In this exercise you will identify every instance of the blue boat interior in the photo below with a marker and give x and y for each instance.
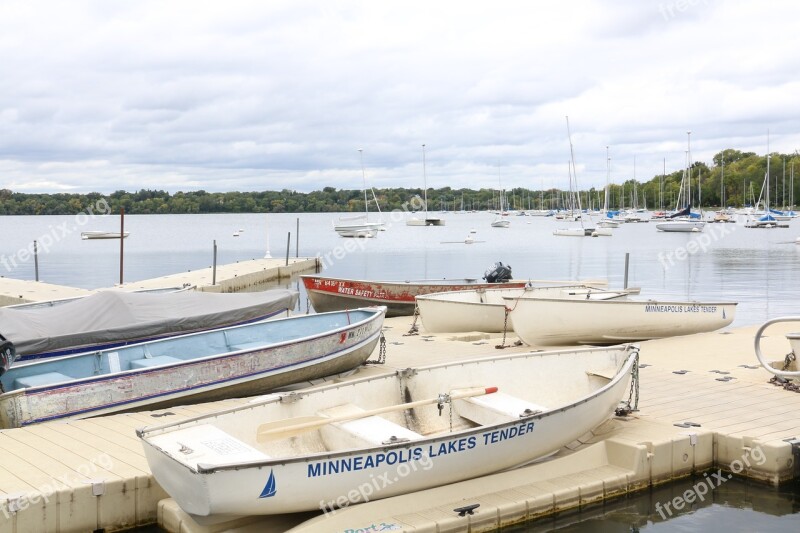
(140, 357)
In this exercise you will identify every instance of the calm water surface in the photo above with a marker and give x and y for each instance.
(758, 268)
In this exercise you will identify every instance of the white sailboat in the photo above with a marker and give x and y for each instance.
(575, 200)
(682, 220)
(502, 220)
(768, 221)
(359, 225)
(607, 221)
(427, 220)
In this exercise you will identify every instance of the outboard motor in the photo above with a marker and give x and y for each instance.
(7, 354)
(498, 273)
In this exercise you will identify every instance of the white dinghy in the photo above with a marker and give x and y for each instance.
(544, 321)
(326, 447)
(485, 309)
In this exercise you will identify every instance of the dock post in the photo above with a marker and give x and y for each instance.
(36, 260)
(627, 258)
(288, 244)
(297, 239)
(214, 269)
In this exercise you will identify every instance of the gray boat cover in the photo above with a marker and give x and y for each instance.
(110, 317)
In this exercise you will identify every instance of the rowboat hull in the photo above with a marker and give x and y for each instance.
(565, 322)
(252, 359)
(274, 478)
(485, 309)
(336, 294)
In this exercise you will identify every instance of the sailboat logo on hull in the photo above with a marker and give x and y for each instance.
(269, 488)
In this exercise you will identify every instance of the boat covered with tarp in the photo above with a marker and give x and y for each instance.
(114, 318)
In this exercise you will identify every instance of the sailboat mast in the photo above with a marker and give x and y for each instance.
(574, 170)
(722, 184)
(608, 178)
(424, 182)
(661, 185)
(364, 178)
(766, 181)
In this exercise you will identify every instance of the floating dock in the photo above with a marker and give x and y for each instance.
(703, 404)
(233, 277)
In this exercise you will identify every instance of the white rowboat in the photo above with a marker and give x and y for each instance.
(543, 322)
(278, 455)
(485, 309)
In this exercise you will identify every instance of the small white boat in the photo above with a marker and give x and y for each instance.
(501, 222)
(486, 310)
(88, 235)
(420, 428)
(542, 321)
(211, 365)
(681, 225)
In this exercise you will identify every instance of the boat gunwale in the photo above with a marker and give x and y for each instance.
(620, 301)
(375, 314)
(442, 296)
(624, 369)
(444, 282)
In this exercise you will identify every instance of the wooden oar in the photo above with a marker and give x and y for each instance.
(289, 427)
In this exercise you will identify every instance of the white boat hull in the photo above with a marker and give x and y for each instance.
(501, 223)
(214, 465)
(485, 309)
(565, 322)
(681, 225)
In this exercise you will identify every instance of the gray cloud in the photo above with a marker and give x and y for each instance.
(254, 95)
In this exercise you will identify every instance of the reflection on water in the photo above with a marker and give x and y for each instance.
(736, 505)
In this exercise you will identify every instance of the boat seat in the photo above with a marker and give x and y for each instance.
(496, 408)
(153, 361)
(37, 380)
(362, 432)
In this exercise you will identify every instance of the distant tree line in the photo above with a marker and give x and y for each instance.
(743, 179)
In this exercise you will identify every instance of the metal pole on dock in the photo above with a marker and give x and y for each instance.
(121, 242)
(288, 244)
(627, 259)
(214, 265)
(36, 260)
(297, 239)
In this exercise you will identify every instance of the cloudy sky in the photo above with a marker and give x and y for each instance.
(272, 94)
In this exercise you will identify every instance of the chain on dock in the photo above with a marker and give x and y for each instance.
(414, 328)
(505, 330)
(633, 394)
(787, 384)
(381, 352)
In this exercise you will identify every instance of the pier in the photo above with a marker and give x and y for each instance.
(233, 277)
(703, 404)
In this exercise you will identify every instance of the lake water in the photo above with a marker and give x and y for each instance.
(758, 268)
